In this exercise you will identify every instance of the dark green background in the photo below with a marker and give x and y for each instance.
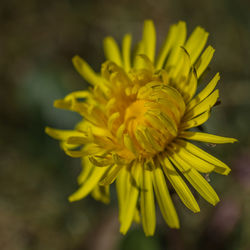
(37, 41)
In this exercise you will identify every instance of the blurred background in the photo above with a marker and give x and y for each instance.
(37, 41)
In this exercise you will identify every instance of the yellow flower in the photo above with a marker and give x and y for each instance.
(135, 129)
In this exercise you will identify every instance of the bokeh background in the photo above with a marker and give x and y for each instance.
(37, 41)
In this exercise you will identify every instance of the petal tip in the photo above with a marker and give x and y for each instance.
(148, 21)
(77, 61)
(58, 103)
(75, 57)
(50, 131)
(149, 234)
(72, 198)
(227, 171)
(196, 209)
(47, 130)
(123, 231)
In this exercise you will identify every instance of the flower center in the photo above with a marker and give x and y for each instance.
(152, 120)
(144, 111)
(134, 115)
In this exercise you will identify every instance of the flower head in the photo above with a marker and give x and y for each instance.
(137, 115)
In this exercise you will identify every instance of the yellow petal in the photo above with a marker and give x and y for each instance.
(172, 36)
(197, 121)
(178, 72)
(172, 95)
(122, 159)
(121, 188)
(147, 204)
(180, 37)
(87, 167)
(120, 131)
(131, 197)
(220, 167)
(204, 93)
(101, 161)
(126, 54)
(182, 70)
(63, 104)
(204, 60)
(196, 180)
(180, 186)
(75, 153)
(191, 86)
(149, 133)
(137, 218)
(112, 51)
(77, 140)
(89, 184)
(196, 43)
(111, 175)
(112, 119)
(142, 140)
(85, 70)
(101, 193)
(149, 39)
(143, 62)
(60, 134)
(164, 200)
(154, 120)
(169, 123)
(129, 144)
(137, 62)
(203, 106)
(195, 162)
(75, 98)
(204, 137)
(71, 101)
(170, 106)
(78, 94)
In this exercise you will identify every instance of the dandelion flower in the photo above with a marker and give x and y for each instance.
(137, 115)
